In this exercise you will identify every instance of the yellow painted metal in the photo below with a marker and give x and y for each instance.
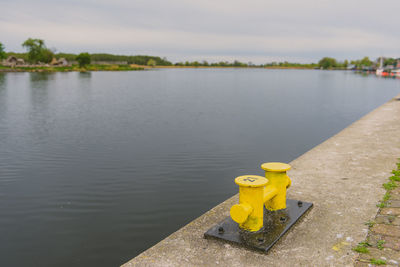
(250, 181)
(256, 191)
(249, 212)
(278, 182)
(269, 193)
(240, 212)
(275, 167)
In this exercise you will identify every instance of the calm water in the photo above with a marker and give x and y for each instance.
(97, 167)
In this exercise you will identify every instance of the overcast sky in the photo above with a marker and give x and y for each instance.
(253, 30)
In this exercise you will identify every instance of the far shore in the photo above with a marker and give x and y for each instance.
(229, 67)
(131, 67)
(73, 68)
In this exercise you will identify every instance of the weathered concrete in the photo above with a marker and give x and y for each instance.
(342, 177)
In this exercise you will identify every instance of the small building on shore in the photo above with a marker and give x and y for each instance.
(12, 61)
(63, 62)
(20, 61)
(59, 62)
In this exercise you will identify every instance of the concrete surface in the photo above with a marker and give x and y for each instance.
(383, 240)
(343, 178)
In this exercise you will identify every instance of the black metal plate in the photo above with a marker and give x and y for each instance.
(276, 224)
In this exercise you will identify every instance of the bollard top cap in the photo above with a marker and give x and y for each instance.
(275, 167)
(251, 181)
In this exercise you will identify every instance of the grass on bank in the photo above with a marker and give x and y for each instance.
(390, 185)
(380, 243)
(362, 247)
(377, 261)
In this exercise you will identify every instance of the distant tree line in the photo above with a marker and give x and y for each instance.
(205, 63)
(139, 59)
(287, 64)
(364, 63)
(327, 63)
(239, 64)
(38, 52)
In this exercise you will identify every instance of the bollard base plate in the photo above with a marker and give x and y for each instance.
(276, 224)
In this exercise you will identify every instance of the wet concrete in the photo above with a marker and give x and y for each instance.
(343, 177)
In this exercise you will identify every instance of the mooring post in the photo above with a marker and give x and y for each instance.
(250, 210)
(256, 191)
(249, 223)
(278, 181)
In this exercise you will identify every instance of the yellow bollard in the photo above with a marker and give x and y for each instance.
(278, 181)
(255, 192)
(250, 210)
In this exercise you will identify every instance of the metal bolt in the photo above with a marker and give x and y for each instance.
(221, 230)
(282, 219)
(300, 203)
(260, 239)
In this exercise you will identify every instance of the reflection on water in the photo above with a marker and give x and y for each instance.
(96, 167)
(85, 75)
(37, 77)
(2, 80)
(3, 110)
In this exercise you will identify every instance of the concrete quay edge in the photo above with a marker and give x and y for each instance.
(342, 176)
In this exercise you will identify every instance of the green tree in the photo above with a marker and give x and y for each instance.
(327, 63)
(46, 56)
(151, 63)
(37, 51)
(3, 54)
(237, 63)
(389, 61)
(366, 61)
(83, 59)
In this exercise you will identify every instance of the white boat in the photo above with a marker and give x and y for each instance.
(379, 71)
(395, 72)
